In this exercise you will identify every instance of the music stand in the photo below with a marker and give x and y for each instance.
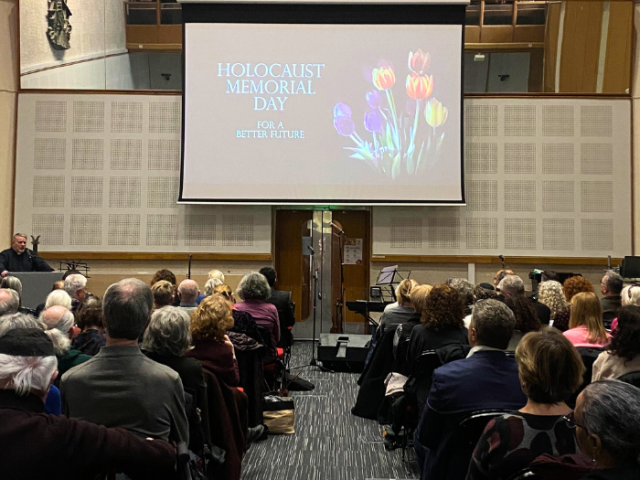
(630, 267)
(388, 277)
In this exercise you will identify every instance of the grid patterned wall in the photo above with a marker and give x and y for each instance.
(101, 173)
(545, 177)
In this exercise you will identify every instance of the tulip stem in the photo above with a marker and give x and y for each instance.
(395, 119)
(415, 130)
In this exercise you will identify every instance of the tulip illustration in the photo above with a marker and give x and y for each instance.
(341, 110)
(383, 78)
(436, 114)
(374, 99)
(344, 126)
(419, 62)
(373, 121)
(419, 87)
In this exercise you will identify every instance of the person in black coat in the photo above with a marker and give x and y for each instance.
(19, 258)
(282, 301)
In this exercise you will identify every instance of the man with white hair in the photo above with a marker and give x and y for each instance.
(513, 286)
(76, 286)
(67, 449)
(59, 322)
(9, 301)
(188, 292)
(19, 258)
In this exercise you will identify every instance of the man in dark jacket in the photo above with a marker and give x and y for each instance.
(486, 379)
(282, 301)
(67, 449)
(19, 258)
(611, 287)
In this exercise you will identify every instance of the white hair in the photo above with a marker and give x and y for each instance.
(73, 283)
(64, 323)
(511, 285)
(211, 284)
(217, 274)
(13, 283)
(27, 374)
(188, 290)
(9, 301)
(19, 320)
(630, 295)
(61, 342)
(58, 297)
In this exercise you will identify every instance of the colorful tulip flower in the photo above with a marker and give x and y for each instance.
(383, 78)
(344, 126)
(374, 99)
(373, 121)
(341, 110)
(435, 113)
(419, 62)
(419, 87)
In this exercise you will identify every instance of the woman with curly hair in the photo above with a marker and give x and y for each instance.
(571, 287)
(526, 318)
(623, 353)
(441, 315)
(550, 293)
(212, 347)
(586, 327)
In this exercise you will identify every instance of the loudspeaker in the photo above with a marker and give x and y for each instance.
(343, 352)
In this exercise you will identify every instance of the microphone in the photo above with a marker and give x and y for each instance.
(189, 270)
(340, 231)
(310, 248)
(501, 257)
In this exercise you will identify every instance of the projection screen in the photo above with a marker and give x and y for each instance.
(322, 113)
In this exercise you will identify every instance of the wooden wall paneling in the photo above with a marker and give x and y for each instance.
(292, 267)
(142, 34)
(356, 224)
(536, 71)
(496, 34)
(529, 33)
(580, 47)
(471, 34)
(617, 71)
(170, 34)
(552, 31)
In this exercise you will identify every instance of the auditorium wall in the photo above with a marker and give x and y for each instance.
(8, 99)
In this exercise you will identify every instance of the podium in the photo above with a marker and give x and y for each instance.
(36, 286)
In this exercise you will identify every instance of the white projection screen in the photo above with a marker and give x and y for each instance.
(322, 113)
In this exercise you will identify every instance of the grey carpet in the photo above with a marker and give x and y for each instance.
(329, 443)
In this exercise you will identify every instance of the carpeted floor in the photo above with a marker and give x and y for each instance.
(329, 443)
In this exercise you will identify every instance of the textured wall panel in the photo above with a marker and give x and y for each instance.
(126, 154)
(520, 120)
(520, 158)
(126, 117)
(558, 120)
(406, 232)
(481, 158)
(50, 154)
(50, 228)
(124, 192)
(558, 158)
(124, 229)
(87, 154)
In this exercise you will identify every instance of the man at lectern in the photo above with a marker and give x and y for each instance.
(19, 258)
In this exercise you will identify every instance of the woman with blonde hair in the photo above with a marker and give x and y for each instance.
(402, 312)
(586, 328)
(551, 294)
(211, 345)
(164, 293)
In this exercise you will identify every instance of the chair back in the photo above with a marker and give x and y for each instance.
(607, 318)
(425, 364)
(265, 335)
(472, 426)
(588, 355)
(632, 378)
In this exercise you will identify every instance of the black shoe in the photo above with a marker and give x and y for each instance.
(256, 434)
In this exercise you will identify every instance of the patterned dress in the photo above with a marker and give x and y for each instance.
(511, 442)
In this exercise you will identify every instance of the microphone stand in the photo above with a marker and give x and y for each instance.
(189, 269)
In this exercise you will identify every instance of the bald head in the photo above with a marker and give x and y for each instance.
(9, 301)
(188, 291)
(58, 317)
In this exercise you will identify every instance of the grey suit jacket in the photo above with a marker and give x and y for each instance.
(121, 387)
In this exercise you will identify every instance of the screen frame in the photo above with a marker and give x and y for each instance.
(323, 14)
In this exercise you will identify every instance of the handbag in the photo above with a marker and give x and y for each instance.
(279, 414)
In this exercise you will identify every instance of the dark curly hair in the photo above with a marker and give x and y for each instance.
(442, 309)
(163, 274)
(90, 316)
(575, 285)
(625, 341)
(481, 293)
(525, 313)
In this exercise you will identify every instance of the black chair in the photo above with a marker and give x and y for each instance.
(588, 355)
(273, 372)
(510, 353)
(632, 378)
(607, 318)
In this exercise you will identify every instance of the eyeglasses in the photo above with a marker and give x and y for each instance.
(570, 420)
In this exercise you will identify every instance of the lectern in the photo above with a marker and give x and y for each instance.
(36, 286)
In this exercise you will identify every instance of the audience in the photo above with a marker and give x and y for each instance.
(66, 448)
(402, 312)
(13, 283)
(465, 292)
(9, 301)
(243, 322)
(281, 299)
(57, 285)
(550, 371)
(91, 338)
(630, 296)
(254, 291)
(210, 286)
(113, 388)
(607, 427)
(58, 297)
(500, 274)
(512, 288)
(481, 292)
(441, 322)
(550, 293)
(211, 345)
(188, 292)
(164, 293)
(611, 287)
(572, 286)
(59, 324)
(76, 286)
(585, 324)
(486, 379)
(623, 353)
(163, 274)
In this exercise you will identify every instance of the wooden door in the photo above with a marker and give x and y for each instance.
(357, 227)
(292, 267)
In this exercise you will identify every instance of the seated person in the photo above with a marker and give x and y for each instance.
(623, 353)
(76, 286)
(89, 318)
(512, 288)
(465, 291)
(486, 379)
(281, 299)
(611, 286)
(216, 277)
(9, 301)
(68, 449)
(164, 294)
(571, 287)
(211, 345)
(441, 317)
(550, 371)
(630, 296)
(19, 258)
(188, 292)
(586, 327)
(607, 425)
(59, 324)
(15, 284)
(550, 294)
(120, 386)
(402, 312)
(254, 291)
(243, 322)
(481, 292)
